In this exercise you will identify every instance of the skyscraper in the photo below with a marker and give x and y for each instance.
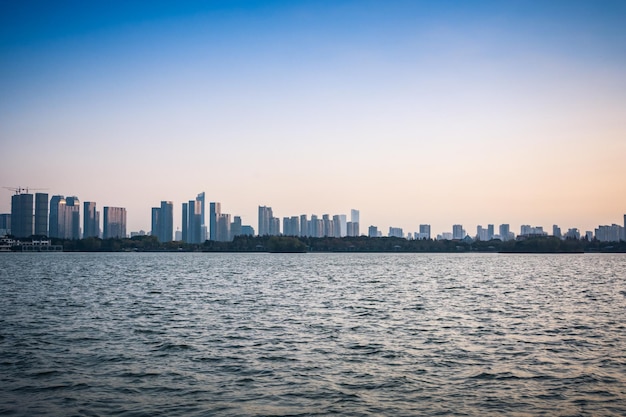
(203, 229)
(22, 220)
(166, 221)
(355, 219)
(185, 228)
(215, 209)
(223, 228)
(504, 232)
(424, 231)
(91, 220)
(41, 214)
(155, 224)
(72, 218)
(458, 232)
(194, 228)
(55, 220)
(5, 224)
(265, 216)
(114, 222)
(235, 227)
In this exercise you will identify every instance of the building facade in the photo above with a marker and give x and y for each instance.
(22, 219)
(91, 220)
(114, 223)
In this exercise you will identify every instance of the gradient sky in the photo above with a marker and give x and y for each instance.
(438, 112)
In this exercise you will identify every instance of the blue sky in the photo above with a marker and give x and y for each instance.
(414, 112)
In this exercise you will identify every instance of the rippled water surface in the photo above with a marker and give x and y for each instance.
(312, 334)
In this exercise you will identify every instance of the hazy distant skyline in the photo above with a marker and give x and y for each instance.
(439, 112)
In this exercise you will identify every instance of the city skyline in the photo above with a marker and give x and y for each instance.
(65, 220)
(435, 113)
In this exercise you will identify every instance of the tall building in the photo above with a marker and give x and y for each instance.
(504, 232)
(490, 232)
(184, 235)
(235, 227)
(556, 231)
(22, 220)
(372, 231)
(114, 222)
(203, 229)
(337, 225)
(41, 214)
(304, 225)
(163, 221)
(265, 216)
(54, 220)
(343, 225)
(458, 232)
(274, 226)
(396, 232)
(194, 228)
(328, 226)
(424, 231)
(72, 218)
(156, 221)
(166, 221)
(355, 219)
(5, 224)
(215, 210)
(91, 220)
(223, 228)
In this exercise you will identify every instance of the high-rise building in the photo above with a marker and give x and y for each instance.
(504, 232)
(304, 225)
(215, 210)
(54, 219)
(336, 225)
(194, 214)
(41, 214)
(223, 228)
(396, 232)
(265, 216)
(372, 231)
(91, 220)
(185, 229)
(72, 216)
(22, 220)
(328, 226)
(274, 226)
(556, 231)
(203, 229)
(355, 219)
(5, 224)
(235, 227)
(458, 232)
(490, 232)
(114, 223)
(156, 224)
(166, 221)
(424, 231)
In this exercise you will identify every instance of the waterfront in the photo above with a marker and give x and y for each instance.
(312, 334)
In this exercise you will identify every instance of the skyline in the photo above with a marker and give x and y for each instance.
(413, 112)
(193, 221)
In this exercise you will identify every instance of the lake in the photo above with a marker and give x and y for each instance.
(257, 334)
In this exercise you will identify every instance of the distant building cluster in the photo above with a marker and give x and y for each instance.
(303, 226)
(60, 217)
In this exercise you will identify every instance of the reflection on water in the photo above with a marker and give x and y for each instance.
(306, 334)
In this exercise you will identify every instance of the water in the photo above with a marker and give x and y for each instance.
(312, 334)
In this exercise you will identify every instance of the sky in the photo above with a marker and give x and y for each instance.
(438, 112)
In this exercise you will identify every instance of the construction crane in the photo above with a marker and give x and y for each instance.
(23, 190)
